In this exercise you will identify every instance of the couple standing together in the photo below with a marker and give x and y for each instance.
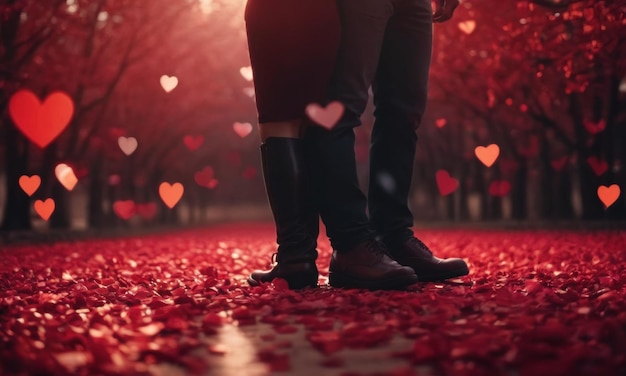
(317, 51)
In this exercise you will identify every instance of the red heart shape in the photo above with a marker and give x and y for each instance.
(249, 173)
(499, 188)
(594, 128)
(206, 178)
(29, 184)
(327, 116)
(124, 209)
(598, 165)
(45, 208)
(559, 164)
(147, 211)
(193, 142)
(608, 195)
(41, 122)
(171, 193)
(446, 183)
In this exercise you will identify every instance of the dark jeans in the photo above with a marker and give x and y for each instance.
(386, 44)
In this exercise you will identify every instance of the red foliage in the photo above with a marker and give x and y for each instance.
(535, 302)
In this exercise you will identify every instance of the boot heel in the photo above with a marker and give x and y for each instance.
(339, 280)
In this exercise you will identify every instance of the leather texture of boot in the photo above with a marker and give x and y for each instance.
(368, 266)
(294, 213)
(420, 258)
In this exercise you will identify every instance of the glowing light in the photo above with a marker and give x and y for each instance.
(622, 85)
(206, 6)
(72, 6)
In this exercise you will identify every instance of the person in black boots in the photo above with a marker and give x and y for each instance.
(386, 44)
(293, 48)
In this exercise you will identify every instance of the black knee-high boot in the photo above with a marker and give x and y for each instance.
(294, 213)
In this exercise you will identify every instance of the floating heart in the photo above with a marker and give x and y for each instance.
(30, 184)
(114, 179)
(608, 195)
(66, 176)
(124, 209)
(499, 188)
(193, 142)
(205, 178)
(169, 83)
(467, 26)
(41, 122)
(446, 183)
(598, 165)
(171, 193)
(127, 144)
(594, 128)
(326, 117)
(249, 91)
(440, 123)
(487, 154)
(249, 173)
(559, 164)
(117, 132)
(147, 211)
(246, 72)
(44, 208)
(242, 129)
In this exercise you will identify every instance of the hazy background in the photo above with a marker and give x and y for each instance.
(544, 80)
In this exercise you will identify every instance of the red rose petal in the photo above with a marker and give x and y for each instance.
(534, 301)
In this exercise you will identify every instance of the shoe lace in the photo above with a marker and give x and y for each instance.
(377, 247)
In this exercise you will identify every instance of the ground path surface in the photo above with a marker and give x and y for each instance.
(535, 303)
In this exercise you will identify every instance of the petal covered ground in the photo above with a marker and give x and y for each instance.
(535, 303)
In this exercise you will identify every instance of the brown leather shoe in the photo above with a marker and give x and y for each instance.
(368, 266)
(298, 274)
(417, 255)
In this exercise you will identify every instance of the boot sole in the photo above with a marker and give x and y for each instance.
(443, 276)
(294, 284)
(344, 281)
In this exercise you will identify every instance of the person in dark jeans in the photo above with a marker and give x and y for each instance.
(386, 44)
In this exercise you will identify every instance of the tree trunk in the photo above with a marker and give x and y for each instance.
(17, 208)
(518, 191)
(481, 187)
(96, 217)
(450, 209)
(60, 219)
(592, 208)
(463, 213)
(614, 141)
(562, 195)
(546, 202)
